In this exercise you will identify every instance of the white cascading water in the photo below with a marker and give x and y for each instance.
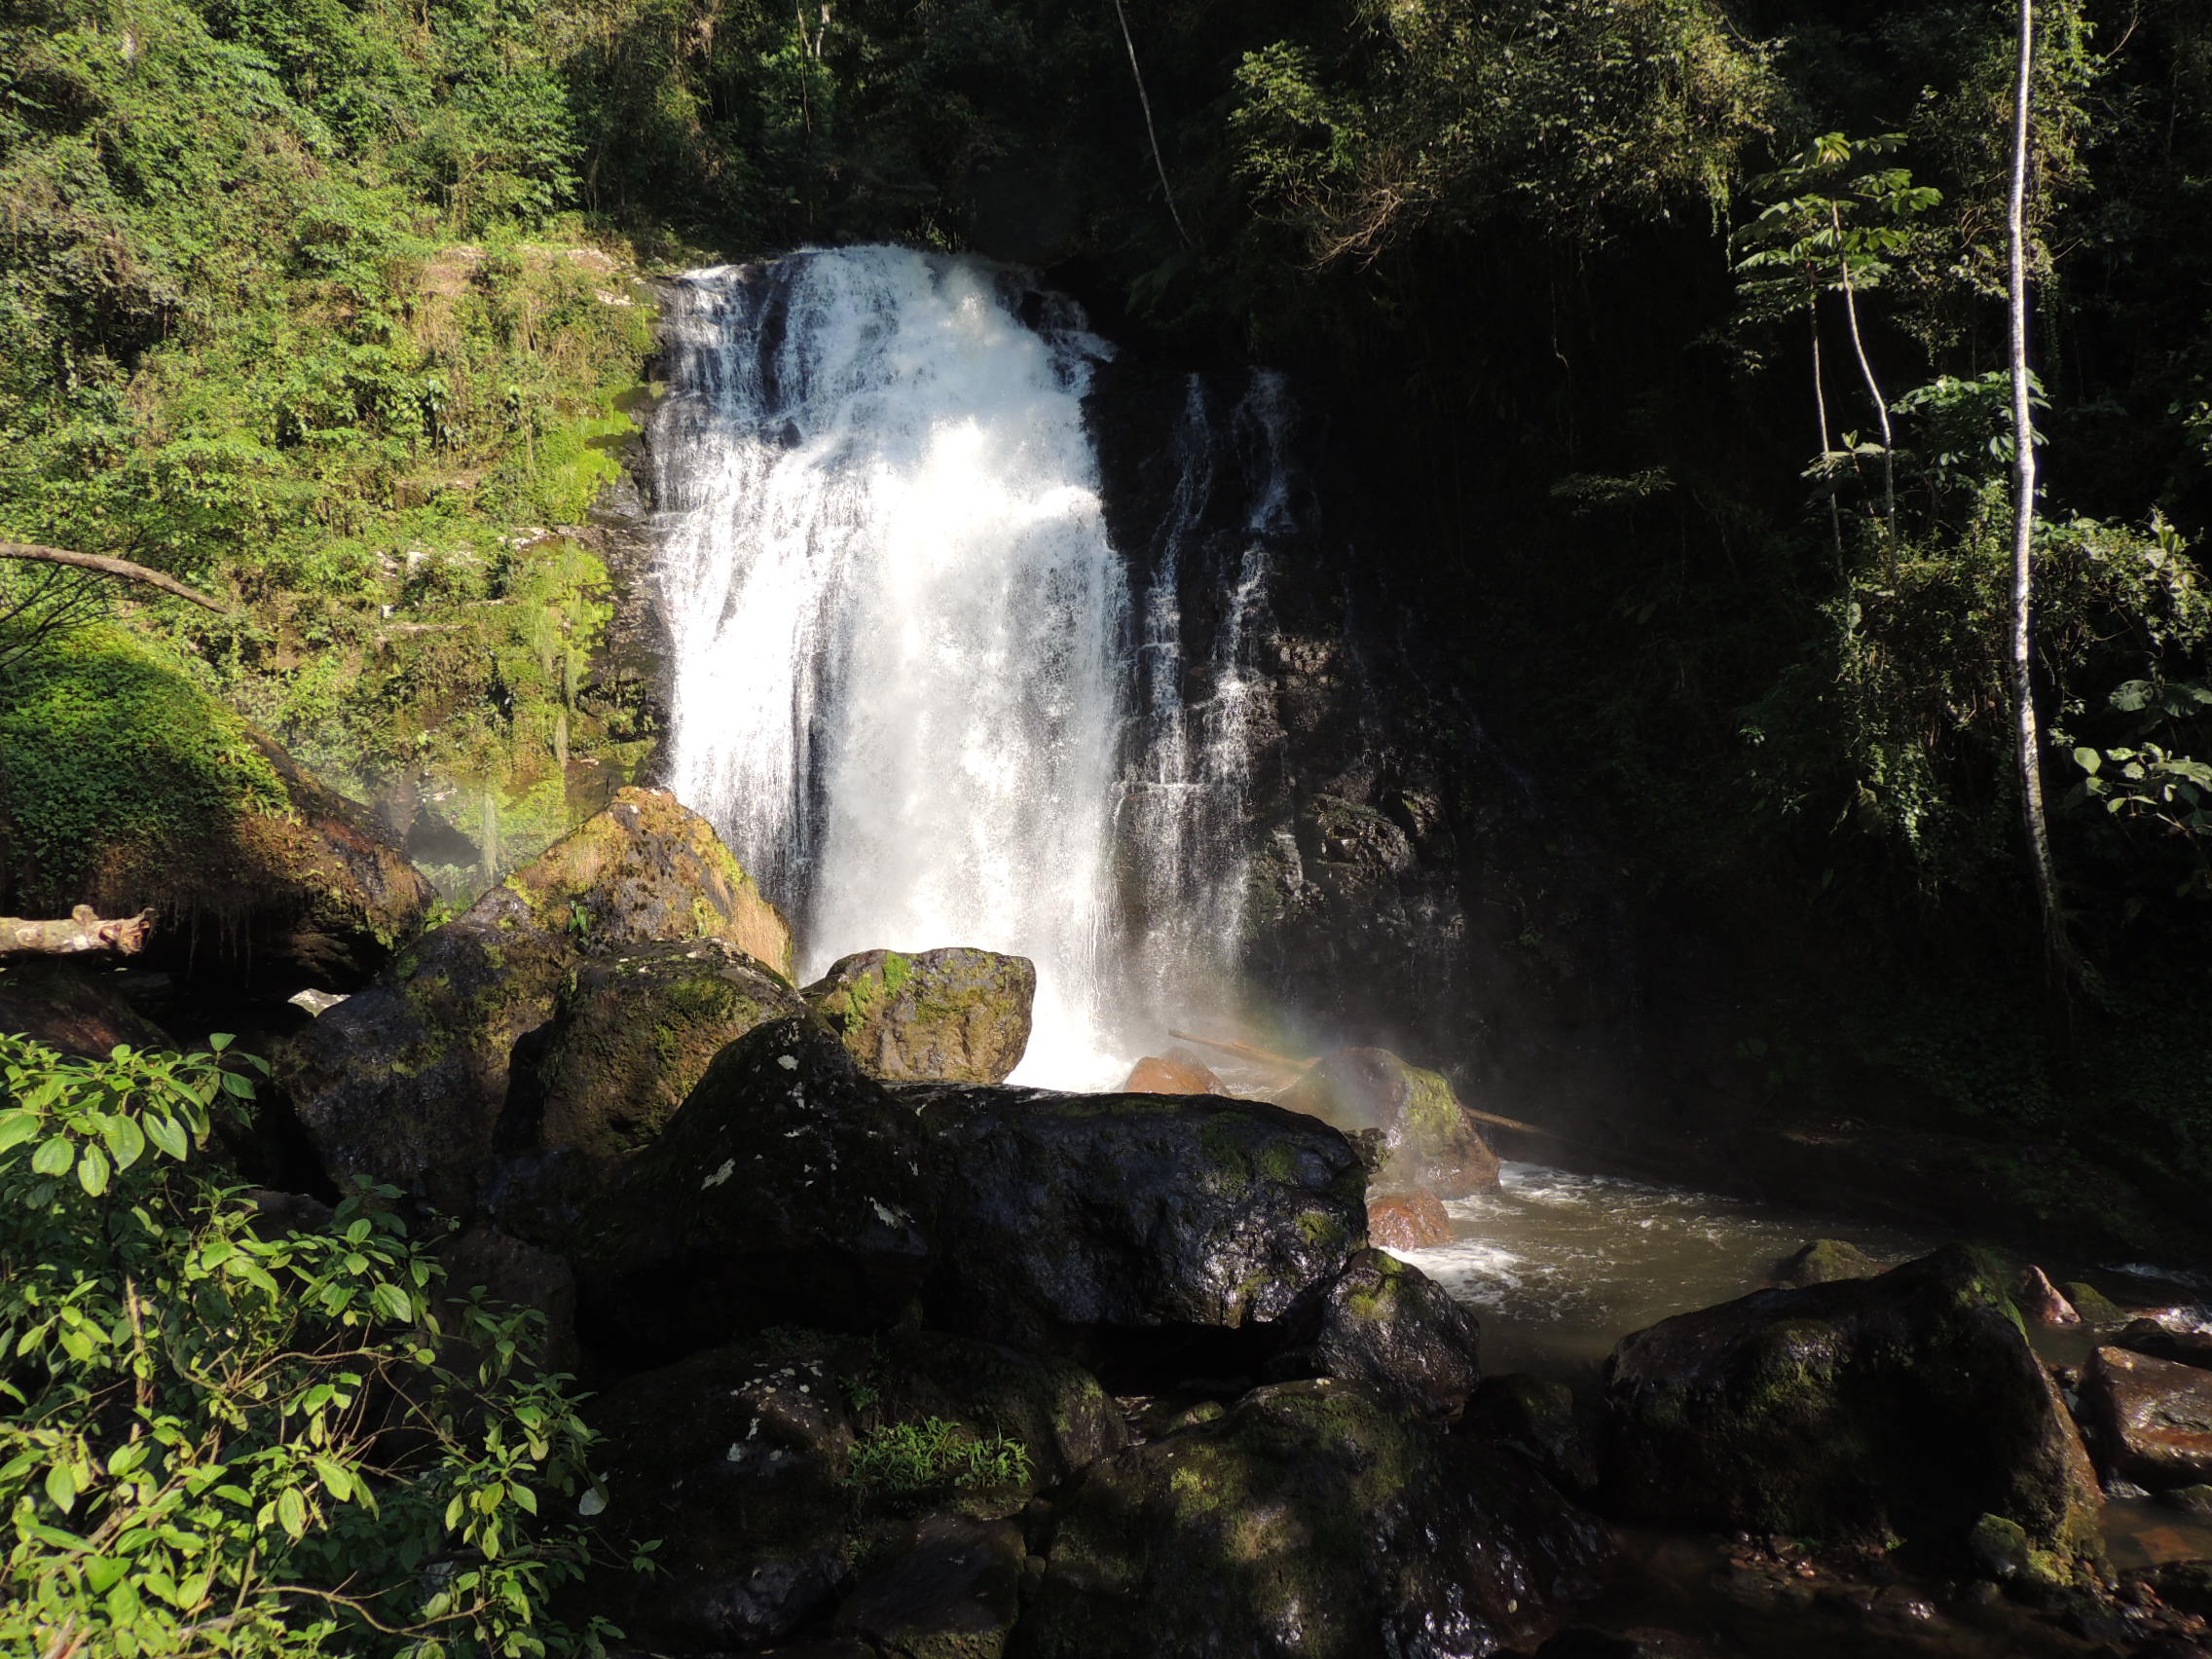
(897, 616)
(910, 686)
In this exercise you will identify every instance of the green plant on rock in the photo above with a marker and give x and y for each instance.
(902, 1459)
(220, 1435)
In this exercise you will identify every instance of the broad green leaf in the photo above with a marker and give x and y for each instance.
(125, 1143)
(2089, 760)
(16, 1128)
(391, 1302)
(61, 1488)
(54, 1156)
(292, 1512)
(92, 1170)
(169, 1134)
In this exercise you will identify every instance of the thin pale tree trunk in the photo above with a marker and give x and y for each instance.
(2027, 730)
(1821, 404)
(1874, 392)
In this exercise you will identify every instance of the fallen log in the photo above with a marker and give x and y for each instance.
(38, 553)
(83, 932)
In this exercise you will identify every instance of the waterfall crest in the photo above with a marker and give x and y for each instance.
(912, 687)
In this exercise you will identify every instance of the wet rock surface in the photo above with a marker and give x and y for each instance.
(632, 1033)
(1824, 1260)
(1389, 1326)
(72, 1010)
(2180, 1347)
(950, 1015)
(1311, 1518)
(1076, 1212)
(1429, 1140)
(1908, 1405)
(1176, 1072)
(1543, 1422)
(2151, 1418)
(787, 1186)
(1407, 1218)
(952, 1593)
(406, 1081)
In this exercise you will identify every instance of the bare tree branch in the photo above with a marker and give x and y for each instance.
(83, 932)
(38, 553)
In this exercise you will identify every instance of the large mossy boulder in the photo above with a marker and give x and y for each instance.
(1428, 1139)
(1908, 1406)
(126, 786)
(741, 1459)
(787, 1188)
(1315, 1519)
(1078, 1213)
(950, 1015)
(406, 1081)
(634, 1032)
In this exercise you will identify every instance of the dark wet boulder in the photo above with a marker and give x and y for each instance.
(950, 1015)
(1312, 1518)
(1407, 1218)
(1428, 1138)
(1904, 1406)
(2149, 1418)
(1076, 1212)
(72, 1010)
(1542, 1421)
(634, 1032)
(747, 1461)
(734, 1460)
(406, 1081)
(787, 1188)
(951, 1591)
(2160, 1342)
(1824, 1260)
(1176, 1072)
(1390, 1326)
(2093, 1305)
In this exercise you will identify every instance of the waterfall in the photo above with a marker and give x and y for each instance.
(912, 687)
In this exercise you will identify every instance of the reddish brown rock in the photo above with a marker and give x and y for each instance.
(2152, 1419)
(2040, 1302)
(1407, 1218)
(1176, 1072)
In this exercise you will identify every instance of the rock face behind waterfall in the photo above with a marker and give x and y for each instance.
(1312, 1519)
(787, 1188)
(406, 1081)
(950, 1015)
(1428, 1139)
(1908, 1405)
(1075, 1212)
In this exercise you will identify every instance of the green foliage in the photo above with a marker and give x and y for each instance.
(224, 1436)
(108, 747)
(1573, 116)
(904, 1458)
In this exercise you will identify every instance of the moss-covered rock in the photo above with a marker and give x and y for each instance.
(1428, 1138)
(1907, 1405)
(632, 1033)
(406, 1081)
(787, 1186)
(126, 786)
(1311, 1519)
(950, 1015)
(1824, 1260)
(1392, 1327)
(1133, 1212)
(2093, 1305)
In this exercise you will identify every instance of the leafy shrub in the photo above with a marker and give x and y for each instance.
(226, 1436)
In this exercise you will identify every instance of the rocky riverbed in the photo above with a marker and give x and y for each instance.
(894, 1358)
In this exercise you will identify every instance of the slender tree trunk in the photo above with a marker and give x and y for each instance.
(2027, 730)
(1873, 390)
(1821, 404)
